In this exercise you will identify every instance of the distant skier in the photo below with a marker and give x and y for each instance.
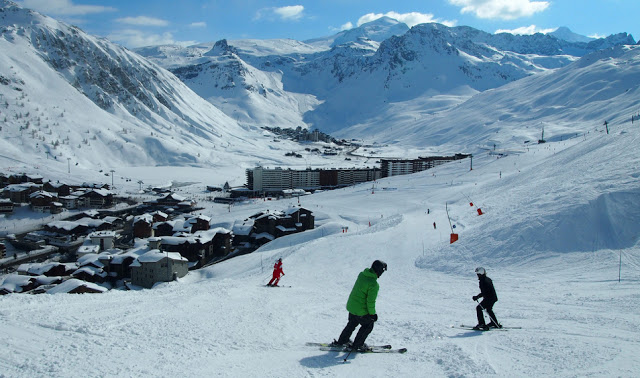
(362, 307)
(434, 225)
(488, 293)
(277, 273)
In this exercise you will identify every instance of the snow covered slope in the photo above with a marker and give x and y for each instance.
(602, 86)
(558, 218)
(78, 100)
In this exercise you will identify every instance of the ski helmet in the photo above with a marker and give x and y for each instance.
(379, 267)
(480, 270)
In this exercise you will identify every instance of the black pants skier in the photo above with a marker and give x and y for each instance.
(366, 326)
(487, 305)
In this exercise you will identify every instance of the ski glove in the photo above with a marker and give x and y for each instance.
(374, 317)
(475, 297)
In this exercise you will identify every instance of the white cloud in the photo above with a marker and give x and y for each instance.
(200, 24)
(525, 30)
(135, 38)
(292, 12)
(346, 26)
(288, 13)
(64, 7)
(411, 18)
(501, 9)
(142, 21)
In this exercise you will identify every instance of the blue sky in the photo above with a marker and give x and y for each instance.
(136, 23)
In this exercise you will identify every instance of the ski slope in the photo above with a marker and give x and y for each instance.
(557, 219)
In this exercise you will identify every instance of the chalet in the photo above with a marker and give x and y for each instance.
(97, 198)
(173, 200)
(200, 247)
(142, 226)
(95, 185)
(69, 202)
(46, 269)
(242, 232)
(119, 266)
(170, 228)
(78, 227)
(42, 201)
(155, 266)
(25, 178)
(14, 283)
(199, 223)
(56, 207)
(19, 193)
(6, 206)
(303, 218)
(61, 189)
(76, 286)
(104, 239)
(159, 216)
(90, 274)
(92, 260)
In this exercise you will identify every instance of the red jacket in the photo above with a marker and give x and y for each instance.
(277, 269)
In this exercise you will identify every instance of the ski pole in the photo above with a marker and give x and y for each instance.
(348, 354)
(483, 309)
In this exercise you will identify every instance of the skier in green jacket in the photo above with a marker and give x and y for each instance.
(362, 307)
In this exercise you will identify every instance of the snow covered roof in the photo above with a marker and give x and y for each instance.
(15, 282)
(148, 218)
(201, 217)
(37, 269)
(263, 235)
(69, 225)
(201, 237)
(90, 270)
(103, 234)
(285, 229)
(159, 213)
(42, 194)
(21, 187)
(243, 227)
(155, 255)
(178, 225)
(88, 249)
(72, 284)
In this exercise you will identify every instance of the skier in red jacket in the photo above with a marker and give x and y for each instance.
(277, 273)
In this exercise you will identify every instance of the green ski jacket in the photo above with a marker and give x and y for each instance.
(362, 300)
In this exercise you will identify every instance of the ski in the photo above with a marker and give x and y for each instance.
(470, 328)
(373, 350)
(277, 286)
(328, 345)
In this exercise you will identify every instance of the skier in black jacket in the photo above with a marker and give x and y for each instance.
(488, 293)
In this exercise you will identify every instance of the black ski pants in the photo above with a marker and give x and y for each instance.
(487, 305)
(366, 326)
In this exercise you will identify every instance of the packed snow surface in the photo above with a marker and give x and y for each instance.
(558, 236)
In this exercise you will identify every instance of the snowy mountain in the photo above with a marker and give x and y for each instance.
(601, 86)
(381, 64)
(76, 99)
(565, 34)
(417, 91)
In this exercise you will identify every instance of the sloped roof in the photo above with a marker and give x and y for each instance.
(155, 255)
(74, 283)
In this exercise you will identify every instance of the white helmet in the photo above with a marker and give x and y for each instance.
(480, 270)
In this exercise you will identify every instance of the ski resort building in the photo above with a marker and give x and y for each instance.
(397, 167)
(264, 180)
